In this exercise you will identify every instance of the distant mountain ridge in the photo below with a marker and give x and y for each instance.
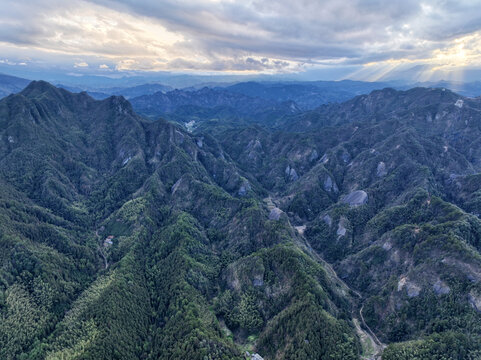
(127, 92)
(11, 85)
(160, 103)
(307, 95)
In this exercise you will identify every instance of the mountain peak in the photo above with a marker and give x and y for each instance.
(36, 88)
(120, 104)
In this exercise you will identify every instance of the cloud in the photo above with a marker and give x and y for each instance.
(242, 36)
(81, 64)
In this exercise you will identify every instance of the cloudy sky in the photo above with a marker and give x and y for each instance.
(367, 40)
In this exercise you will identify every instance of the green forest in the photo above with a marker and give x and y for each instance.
(127, 238)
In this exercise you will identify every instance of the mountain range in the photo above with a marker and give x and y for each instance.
(11, 85)
(242, 224)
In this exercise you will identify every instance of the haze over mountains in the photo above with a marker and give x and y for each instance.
(306, 94)
(11, 85)
(272, 226)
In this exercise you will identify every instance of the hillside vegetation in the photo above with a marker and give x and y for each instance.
(344, 232)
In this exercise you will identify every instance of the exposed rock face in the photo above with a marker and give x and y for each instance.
(275, 214)
(300, 229)
(475, 300)
(387, 246)
(346, 157)
(126, 160)
(254, 145)
(356, 198)
(175, 186)
(179, 137)
(244, 188)
(330, 185)
(291, 173)
(254, 150)
(341, 227)
(440, 288)
(327, 219)
(257, 282)
(459, 103)
(412, 289)
(314, 155)
(381, 169)
(190, 126)
(324, 159)
(341, 230)
(254, 356)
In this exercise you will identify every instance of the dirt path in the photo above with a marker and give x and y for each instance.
(371, 333)
(106, 263)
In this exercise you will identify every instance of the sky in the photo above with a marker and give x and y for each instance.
(332, 39)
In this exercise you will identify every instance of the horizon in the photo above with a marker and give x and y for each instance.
(187, 81)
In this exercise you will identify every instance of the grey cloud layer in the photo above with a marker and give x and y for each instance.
(313, 30)
(244, 35)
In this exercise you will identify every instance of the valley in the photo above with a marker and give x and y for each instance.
(240, 223)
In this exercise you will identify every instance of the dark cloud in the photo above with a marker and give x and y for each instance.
(235, 35)
(287, 29)
(311, 29)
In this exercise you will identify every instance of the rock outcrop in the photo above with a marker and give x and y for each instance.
(381, 169)
(327, 219)
(275, 214)
(440, 288)
(330, 185)
(244, 188)
(291, 173)
(356, 198)
(475, 300)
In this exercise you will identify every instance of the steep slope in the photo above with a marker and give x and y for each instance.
(323, 234)
(126, 239)
(385, 188)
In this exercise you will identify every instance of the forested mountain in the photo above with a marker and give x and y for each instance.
(385, 187)
(248, 101)
(207, 103)
(306, 94)
(347, 231)
(127, 239)
(126, 92)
